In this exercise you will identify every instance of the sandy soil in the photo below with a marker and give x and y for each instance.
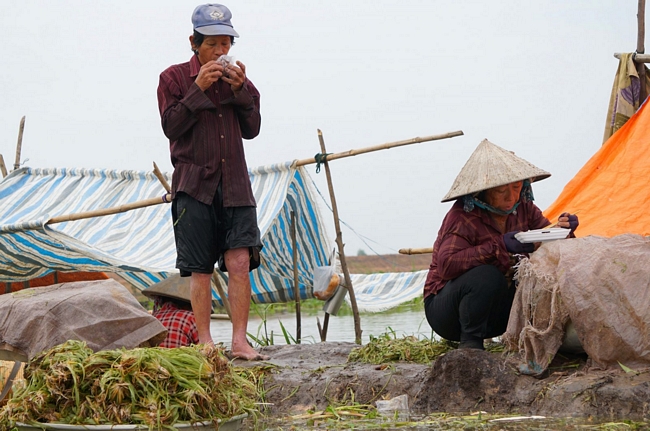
(301, 377)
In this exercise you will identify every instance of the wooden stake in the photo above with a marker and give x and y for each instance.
(3, 168)
(217, 282)
(161, 178)
(640, 49)
(339, 242)
(296, 286)
(387, 146)
(19, 145)
(322, 330)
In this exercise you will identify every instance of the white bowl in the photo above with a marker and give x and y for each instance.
(541, 235)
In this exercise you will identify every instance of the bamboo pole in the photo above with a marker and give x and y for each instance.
(113, 210)
(167, 198)
(386, 146)
(296, 286)
(640, 41)
(217, 282)
(639, 58)
(416, 250)
(640, 49)
(3, 168)
(339, 242)
(19, 145)
(161, 178)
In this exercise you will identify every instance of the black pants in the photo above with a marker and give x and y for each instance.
(472, 307)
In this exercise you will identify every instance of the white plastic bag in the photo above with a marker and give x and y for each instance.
(322, 277)
(395, 406)
(326, 280)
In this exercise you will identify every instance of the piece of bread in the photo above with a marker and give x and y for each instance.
(331, 288)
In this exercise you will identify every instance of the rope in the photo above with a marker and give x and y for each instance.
(358, 235)
(320, 158)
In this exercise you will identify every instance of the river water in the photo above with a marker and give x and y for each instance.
(340, 328)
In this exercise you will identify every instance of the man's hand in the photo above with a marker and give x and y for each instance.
(235, 76)
(209, 74)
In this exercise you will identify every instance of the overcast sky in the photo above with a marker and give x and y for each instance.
(533, 77)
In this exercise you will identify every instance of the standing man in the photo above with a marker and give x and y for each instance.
(207, 106)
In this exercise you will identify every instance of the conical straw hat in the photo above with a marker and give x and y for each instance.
(492, 166)
(175, 287)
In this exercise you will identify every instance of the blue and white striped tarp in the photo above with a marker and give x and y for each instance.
(379, 292)
(139, 244)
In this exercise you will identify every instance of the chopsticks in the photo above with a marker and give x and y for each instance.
(555, 224)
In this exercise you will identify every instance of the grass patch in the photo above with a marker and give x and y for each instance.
(312, 307)
(388, 348)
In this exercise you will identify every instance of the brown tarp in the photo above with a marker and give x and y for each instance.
(626, 94)
(600, 284)
(102, 313)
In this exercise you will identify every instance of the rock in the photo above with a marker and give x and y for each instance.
(467, 379)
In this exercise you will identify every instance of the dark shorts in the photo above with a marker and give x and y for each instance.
(203, 233)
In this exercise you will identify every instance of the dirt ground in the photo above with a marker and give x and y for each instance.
(313, 376)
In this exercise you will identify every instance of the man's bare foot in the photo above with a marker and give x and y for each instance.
(208, 342)
(247, 353)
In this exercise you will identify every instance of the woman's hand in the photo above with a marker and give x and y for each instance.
(568, 221)
(514, 246)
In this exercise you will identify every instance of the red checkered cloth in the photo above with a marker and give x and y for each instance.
(180, 324)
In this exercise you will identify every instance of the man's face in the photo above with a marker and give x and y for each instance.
(213, 47)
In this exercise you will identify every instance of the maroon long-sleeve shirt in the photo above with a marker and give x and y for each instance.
(205, 131)
(470, 239)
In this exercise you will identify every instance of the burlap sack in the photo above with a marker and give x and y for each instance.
(601, 284)
(102, 313)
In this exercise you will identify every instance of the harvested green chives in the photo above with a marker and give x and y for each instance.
(155, 387)
(388, 348)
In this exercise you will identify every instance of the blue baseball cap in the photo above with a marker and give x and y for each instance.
(213, 20)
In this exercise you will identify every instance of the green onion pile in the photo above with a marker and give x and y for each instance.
(388, 348)
(154, 387)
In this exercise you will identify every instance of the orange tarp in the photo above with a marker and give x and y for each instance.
(52, 278)
(611, 191)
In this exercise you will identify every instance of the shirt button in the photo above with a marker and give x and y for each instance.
(216, 91)
(221, 136)
(223, 160)
(220, 115)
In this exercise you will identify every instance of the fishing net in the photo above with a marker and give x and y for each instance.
(601, 285)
